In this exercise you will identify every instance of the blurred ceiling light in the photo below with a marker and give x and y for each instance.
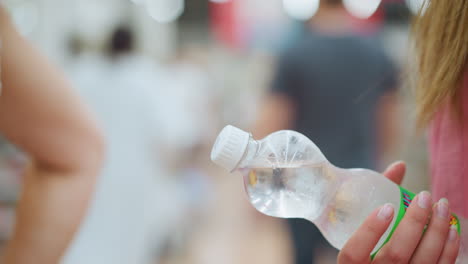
(416, 5)
(362, 8)
(165, 11)
(301, 9)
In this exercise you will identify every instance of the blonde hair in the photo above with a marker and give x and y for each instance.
(441, 42)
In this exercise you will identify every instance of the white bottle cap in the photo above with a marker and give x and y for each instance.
(230, 147)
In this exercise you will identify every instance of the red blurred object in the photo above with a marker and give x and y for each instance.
(224, 24)
(371, 24)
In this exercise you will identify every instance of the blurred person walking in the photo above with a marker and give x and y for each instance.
(41, 114)
(130, 215)
(337, 88)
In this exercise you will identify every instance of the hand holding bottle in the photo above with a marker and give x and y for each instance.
(286, 175)
(438, 244)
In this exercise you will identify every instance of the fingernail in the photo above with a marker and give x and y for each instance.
(396, 163)
(442, 208)
(453, 234)
(386, 212)
(424, 199)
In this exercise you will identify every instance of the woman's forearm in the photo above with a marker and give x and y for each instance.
(42, 115)
(51, 208)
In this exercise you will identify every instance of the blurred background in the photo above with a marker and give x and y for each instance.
(164, 76)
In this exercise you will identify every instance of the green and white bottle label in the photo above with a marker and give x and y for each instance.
(406, 199)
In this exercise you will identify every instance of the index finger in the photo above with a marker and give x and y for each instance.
(407, 235)
(359, 247)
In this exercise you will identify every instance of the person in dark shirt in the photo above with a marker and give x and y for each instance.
(337, 88)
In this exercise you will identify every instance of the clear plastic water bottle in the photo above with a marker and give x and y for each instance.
(286, 175)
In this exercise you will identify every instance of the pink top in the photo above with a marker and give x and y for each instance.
(448, 151)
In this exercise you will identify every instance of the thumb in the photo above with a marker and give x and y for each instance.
(395, 172)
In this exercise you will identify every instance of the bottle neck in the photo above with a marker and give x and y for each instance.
(250, 153)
